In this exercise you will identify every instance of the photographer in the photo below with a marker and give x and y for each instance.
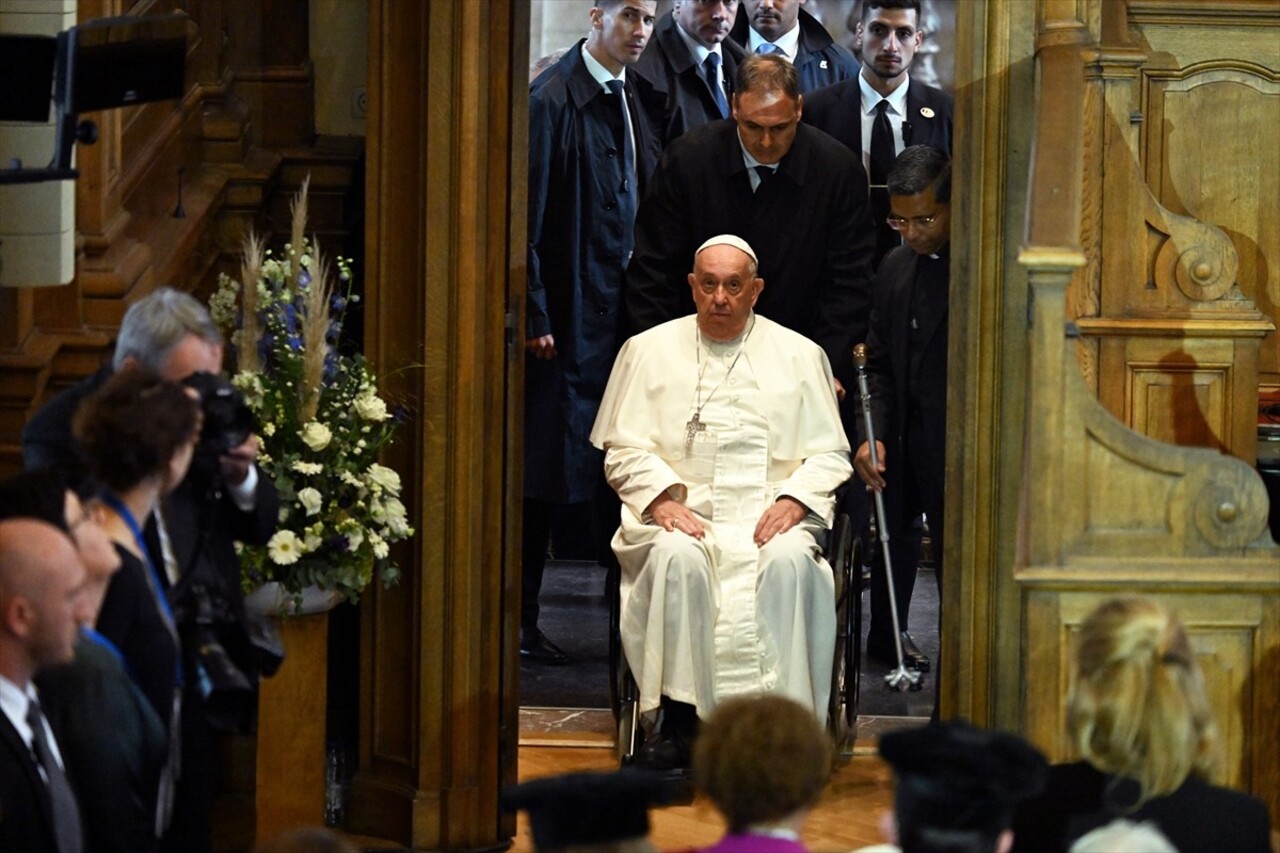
(193, 535)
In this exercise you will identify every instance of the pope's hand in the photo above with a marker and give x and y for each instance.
(784, 514)
(669, 514)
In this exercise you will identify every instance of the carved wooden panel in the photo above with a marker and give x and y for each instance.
(1211, 134)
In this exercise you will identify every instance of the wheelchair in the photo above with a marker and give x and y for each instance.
(843, 550)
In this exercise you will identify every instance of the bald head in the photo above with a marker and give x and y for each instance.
(41, 585)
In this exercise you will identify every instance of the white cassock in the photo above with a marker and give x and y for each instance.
(705, 620)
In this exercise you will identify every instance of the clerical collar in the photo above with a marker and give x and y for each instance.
(598, 72)
(788, 43)
(897, 98)
(773, 832)
(698, 49)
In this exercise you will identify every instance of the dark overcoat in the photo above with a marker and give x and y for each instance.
(676, 95)
(581, 219)
(807, 224)
(819, 61)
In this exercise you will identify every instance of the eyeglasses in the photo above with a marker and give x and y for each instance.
(733, 287)
(897, 223)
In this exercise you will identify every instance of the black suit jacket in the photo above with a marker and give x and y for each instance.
(819, 60)
(807, 224)
(837, 110)
(889, 375)
(674, 93)
(26, 814)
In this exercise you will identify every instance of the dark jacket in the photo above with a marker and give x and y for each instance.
(26, 813)
(819, 61)
(113, 744)
(807, 224)
(581, 221)
(837, 110)
(1196, 817)
(676, 95)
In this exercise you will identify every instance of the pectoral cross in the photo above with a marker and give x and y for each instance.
(692, 428)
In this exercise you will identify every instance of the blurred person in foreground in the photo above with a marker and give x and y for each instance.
(1140, 719)
(764, 762)
(113, 743)
(222, 500)
(956, 788)
(138, 434)
(41, 607)
(591, 812)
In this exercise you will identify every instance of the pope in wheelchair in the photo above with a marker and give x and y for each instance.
(722, 438)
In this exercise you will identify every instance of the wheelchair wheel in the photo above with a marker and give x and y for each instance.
(842, 712)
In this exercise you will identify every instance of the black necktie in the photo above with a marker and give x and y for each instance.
(66, 814)
(709, 67)
(882, 157)
(628, 150)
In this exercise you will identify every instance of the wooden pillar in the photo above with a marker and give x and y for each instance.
(291, 730)
(445, 279)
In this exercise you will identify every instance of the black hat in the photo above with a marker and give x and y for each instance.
(35, 494)
(952, 776)
(589, 808)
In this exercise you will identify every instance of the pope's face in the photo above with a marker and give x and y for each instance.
(725, 289)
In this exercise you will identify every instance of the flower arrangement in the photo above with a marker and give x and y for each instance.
(321, 420)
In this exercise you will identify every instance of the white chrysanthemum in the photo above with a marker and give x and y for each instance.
(349, 478)
(268, 429)
(310, 499)
(371, 407)
(307, 468)
(384, 478)
(380, 548)
(316, 435)
(285, 548)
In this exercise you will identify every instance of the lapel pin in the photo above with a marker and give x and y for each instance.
(927, 112)
(822, 64)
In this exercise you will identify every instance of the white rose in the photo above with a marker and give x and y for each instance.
(371, 407)
(316, 435)
(396, 517)
(310, 500)
(384, 478)
(284, 548)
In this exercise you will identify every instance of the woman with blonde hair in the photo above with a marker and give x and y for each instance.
(1140, 719)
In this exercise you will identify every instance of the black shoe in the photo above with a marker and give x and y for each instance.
(884, 653)
(534, 646)
(665, 751)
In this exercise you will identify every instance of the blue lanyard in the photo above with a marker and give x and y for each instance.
(156, 587)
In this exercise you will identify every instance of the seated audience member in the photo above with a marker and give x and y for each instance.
(1121, 835)
(957, 786)
(113, 744)
(591, 812)
(1140, 719)
(41, 607)
(137, 434)
(764, 761)
(723, 439)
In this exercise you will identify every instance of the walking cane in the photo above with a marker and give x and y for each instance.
(900, 677)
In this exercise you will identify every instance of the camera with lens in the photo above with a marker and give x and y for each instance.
(228, 421)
